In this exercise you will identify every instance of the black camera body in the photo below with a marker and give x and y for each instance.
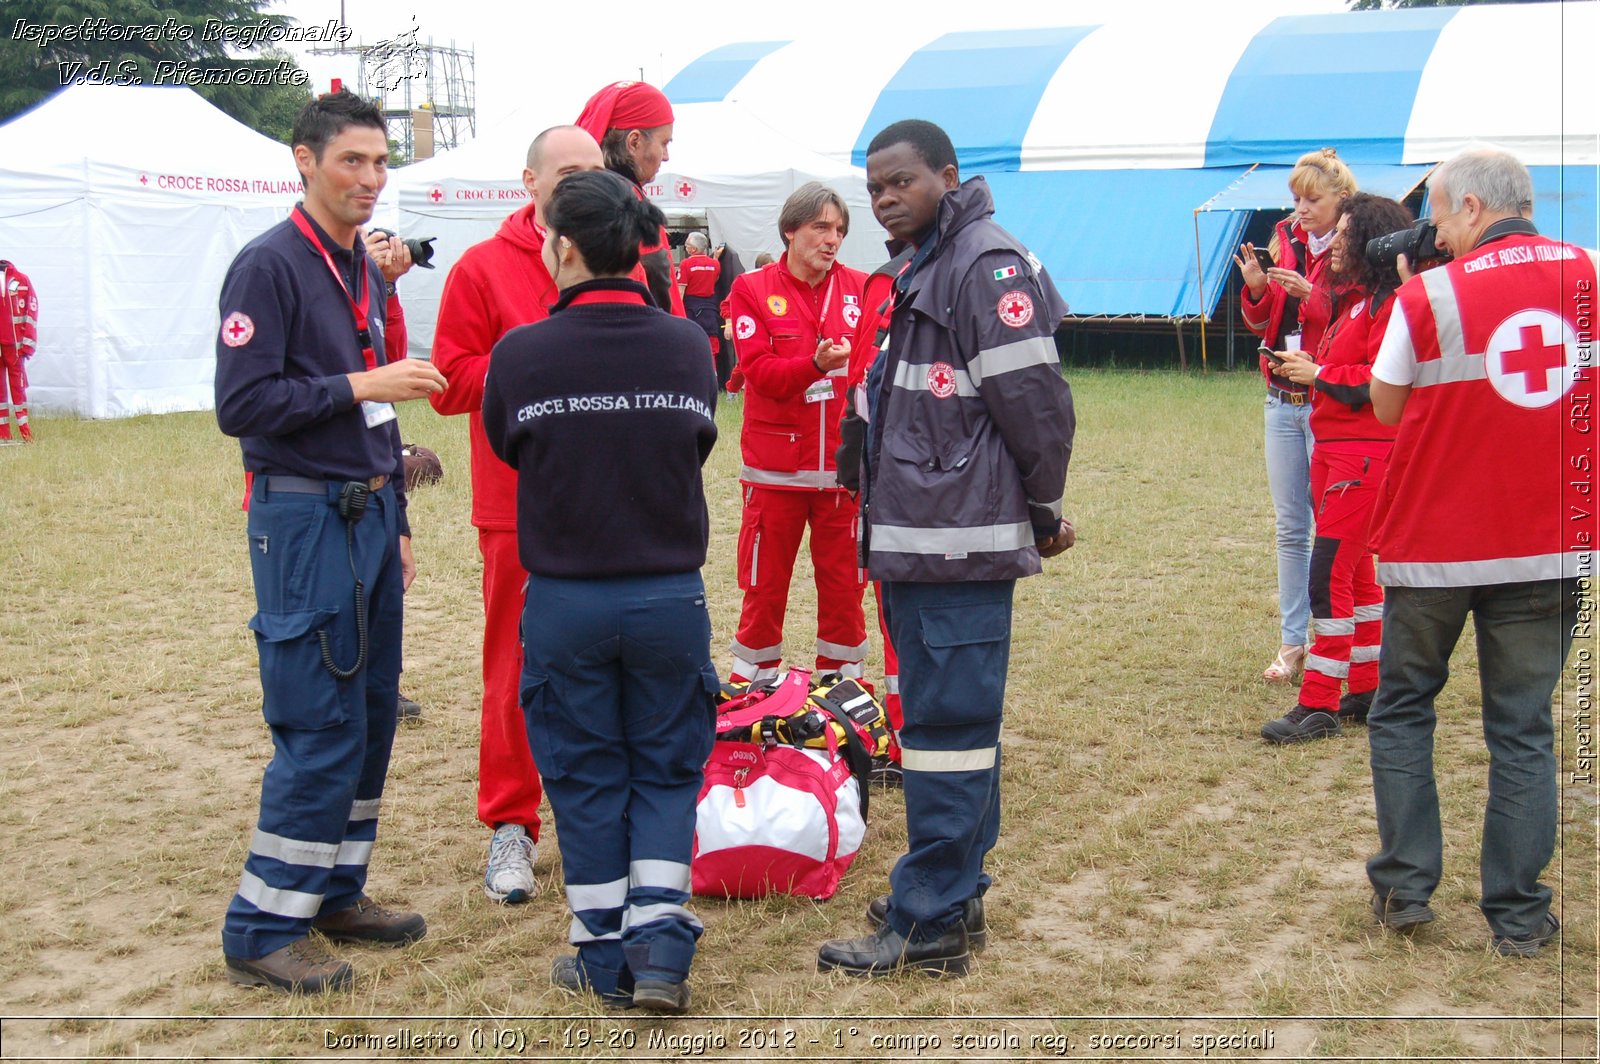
(421, 249)
(1419, 244)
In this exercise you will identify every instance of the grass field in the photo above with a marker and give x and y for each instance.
(1162, 877)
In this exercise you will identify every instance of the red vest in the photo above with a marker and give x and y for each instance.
(1490, 479)
(791, 412)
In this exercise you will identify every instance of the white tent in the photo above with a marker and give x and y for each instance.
(125, 205)
(725, 167)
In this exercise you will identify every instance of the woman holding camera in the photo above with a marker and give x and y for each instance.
(1289, 306)
(1347, 464)
(605, 412)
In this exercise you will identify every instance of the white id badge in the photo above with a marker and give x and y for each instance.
(820, 391)
(377, 413)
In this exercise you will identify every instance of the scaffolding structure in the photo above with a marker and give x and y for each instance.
(426, 91)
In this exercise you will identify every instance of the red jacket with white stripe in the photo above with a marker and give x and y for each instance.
(1341, 403)
(792, 411)
(1488, 479)
(19, 324)
(494, 287)
(1276, 314)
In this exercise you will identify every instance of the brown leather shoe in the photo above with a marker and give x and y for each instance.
(367, 921)
(302, 966)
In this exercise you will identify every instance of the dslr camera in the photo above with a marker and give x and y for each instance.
(1419, 244)
(421, 250)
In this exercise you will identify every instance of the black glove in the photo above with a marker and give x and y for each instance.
(847, 459)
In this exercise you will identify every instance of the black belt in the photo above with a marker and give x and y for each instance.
(1292, 398)
(312, 486)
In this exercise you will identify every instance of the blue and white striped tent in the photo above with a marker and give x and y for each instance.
(1131, 157)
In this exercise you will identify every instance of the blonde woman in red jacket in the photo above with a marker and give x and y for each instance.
(1347, 463)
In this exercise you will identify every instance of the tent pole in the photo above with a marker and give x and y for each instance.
(1200, 272)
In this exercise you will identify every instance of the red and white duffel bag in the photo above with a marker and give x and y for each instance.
(777, 817)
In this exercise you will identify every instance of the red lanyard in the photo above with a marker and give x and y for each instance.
(359, 310)
(827, 301)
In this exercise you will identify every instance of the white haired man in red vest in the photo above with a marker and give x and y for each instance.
(1485, 366)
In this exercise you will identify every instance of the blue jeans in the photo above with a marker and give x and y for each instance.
(1288, 447)
(1524, 632)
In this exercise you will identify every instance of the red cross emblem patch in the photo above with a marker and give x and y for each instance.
(852, 315)
(685, 189)
(1015, 309)
(745, 327)
(1532, 358)
(237, 328)
(436, 194)
(942, 380)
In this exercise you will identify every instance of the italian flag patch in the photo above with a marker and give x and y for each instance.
(1005, 274)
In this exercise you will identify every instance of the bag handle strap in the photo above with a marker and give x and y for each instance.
(854, 749)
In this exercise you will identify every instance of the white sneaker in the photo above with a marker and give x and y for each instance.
(509, 877)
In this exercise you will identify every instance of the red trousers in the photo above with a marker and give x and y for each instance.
(769, 539)
(1346, 601)
(14, 390)
(508, 784)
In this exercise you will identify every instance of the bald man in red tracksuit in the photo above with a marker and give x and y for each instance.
(791, 432)
(496, 286)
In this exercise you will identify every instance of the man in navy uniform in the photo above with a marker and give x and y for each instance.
(302, 381)
(969, 432)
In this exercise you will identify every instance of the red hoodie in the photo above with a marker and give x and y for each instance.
(493, 288)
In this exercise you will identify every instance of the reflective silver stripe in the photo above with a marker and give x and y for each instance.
(749, 672)
(354, 853)
(1022, 354)
(670, 875)
(914, 378)
(840, 651)
(639, 915)
(947, 760)
(1451, 369)
(1360, 655)
(583, 896)
(1489, 571)
(1327, 666)
(294, 851)
(756, 655)
(295, 903)
(805, 478)
(858, 700)
(901, 539)
(579, 934)
(853, 670)
(365, 809)
(1374, 612)
(891, 684)
(1330, 626)
(1446, 312)
(1053, 507)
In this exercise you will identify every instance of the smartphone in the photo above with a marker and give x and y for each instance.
(1264, 259)
(1270, 355)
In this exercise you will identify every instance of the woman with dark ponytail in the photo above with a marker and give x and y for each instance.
(605, 412)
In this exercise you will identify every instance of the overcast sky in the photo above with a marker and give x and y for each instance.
(552, 56)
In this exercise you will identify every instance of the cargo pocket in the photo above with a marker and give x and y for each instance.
(702, 721)
(538, 724)
(749, 560)
(297, 690)
(968, 647)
